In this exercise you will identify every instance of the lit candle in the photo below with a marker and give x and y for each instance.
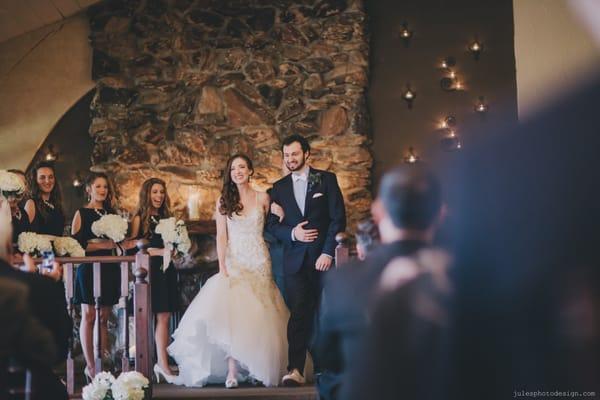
(193, 206)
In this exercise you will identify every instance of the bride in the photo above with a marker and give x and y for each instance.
(235, 328)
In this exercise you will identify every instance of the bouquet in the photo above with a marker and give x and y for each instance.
(174, 235)
(128, 386)
(111, 226)
(67, 246)
(32, 243)
(10, 183)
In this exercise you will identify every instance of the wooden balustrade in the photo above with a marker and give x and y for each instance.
(343, 251)
(140, 267)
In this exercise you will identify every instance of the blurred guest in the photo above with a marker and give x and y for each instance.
(44, 208)
(46, 301)
(399, 357)
(100, 202)
(527, 263)
(406, 208)
(367, 237)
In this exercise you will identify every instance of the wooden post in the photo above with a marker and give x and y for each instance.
(97, 298)
(69, 290)
(142, 302)
(342, 252)
(125, 316)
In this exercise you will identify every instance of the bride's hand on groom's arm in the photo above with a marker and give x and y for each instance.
(223, 270)
(276, 209)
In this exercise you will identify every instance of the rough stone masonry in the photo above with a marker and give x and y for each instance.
(183, 84)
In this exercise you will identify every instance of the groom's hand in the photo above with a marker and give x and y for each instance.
(305, 235)
(323, 262)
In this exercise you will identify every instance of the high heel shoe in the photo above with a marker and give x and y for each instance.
(158, 371)
(231, 383)
(88, 376)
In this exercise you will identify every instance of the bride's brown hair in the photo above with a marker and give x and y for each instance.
(229, 202)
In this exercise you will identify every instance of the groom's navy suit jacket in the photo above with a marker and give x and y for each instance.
(324, 210)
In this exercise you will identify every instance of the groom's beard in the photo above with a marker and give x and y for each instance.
(298, 167)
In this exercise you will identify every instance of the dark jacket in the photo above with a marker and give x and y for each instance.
(47, 303)
(325, 212)
(344, 311)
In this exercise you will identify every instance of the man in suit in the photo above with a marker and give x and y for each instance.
(314, 214)
(406, 211)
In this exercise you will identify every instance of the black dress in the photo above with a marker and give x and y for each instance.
(20, 223)
(49, 221)
(110, 273)
(164, 284)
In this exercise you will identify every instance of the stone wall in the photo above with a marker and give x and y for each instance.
(183, 84)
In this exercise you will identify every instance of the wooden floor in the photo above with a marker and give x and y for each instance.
(165, 391)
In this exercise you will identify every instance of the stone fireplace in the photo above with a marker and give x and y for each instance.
(183, 84)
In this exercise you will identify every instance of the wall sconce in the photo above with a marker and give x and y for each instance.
(448, 62)
(476, 48)
(450, 142)
(451, 83)
(409, 96)
(448, 122)
(481, 106)
(405, 34)
(77, 181)
(411, 157)
(51, 154)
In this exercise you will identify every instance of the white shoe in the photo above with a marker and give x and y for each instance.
(158, 371)
(293, 378)
(231, 383)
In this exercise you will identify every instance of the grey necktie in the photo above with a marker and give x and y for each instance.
(300, 191)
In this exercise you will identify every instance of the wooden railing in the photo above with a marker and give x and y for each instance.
(343, 251)
(142, 308)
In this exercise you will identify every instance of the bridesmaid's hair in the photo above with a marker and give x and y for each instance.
(36, 192)
(145, 204)
(109, 203)
(229, 202)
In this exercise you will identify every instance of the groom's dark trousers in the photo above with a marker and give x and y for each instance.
(324, 210)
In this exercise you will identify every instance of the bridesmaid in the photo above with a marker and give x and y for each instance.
(100, 202)
(44, 207)
(154, 205)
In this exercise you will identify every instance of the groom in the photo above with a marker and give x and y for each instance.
(314, 214)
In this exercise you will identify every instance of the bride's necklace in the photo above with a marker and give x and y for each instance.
(18, 214)
(99, 212)
(48, 204)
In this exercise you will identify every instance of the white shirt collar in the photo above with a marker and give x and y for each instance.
(300, 175)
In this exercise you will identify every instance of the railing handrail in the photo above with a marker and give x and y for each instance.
(89, 260)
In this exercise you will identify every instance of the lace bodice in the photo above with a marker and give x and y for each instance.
(246, 249)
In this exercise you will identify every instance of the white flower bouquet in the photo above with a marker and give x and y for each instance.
(175, 236)
(111, 226)
(67, 246)
(128, 386)
(174, 233)
(10, 183)
(32, 243)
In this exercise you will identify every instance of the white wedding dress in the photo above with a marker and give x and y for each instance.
(241, 316)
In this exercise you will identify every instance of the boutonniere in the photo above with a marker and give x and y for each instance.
(314, 179)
